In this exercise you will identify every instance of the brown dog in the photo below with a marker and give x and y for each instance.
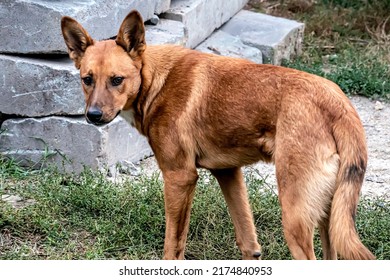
(219, 113)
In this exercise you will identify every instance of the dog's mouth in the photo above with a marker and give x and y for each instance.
(97, 119)
(98, 123)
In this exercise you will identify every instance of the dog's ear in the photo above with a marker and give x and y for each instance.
(76, 38)
(131, 35)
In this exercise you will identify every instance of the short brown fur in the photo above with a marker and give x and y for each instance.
(219, 113)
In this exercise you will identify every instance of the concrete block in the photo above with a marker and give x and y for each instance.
(202, 17)
(277, 38)
(37, 87)
(166, 32)
(222, 43)
(71, 143)
(33, 26)
(162, 6)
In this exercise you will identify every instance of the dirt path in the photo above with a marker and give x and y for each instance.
(376, 120)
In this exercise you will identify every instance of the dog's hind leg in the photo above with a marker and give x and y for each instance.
(307, 165)
(328, 252)
(306, 182)
(235, 193)
(298, 229)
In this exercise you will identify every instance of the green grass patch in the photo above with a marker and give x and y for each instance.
(356, 74)
(345, 41)
(89, 217)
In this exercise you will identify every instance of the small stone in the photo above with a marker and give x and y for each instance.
(128, 168)
(379, 106)
(16, 201)
(154, 20)
(11, 198)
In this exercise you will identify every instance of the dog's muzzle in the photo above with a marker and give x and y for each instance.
(95, 116)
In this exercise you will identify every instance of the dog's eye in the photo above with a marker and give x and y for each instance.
(87, 80)
(116, 81)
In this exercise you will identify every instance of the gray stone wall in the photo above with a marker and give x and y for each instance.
(32, 26)
(41, 103)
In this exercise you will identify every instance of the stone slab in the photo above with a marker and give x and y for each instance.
(277, 38)
(162, 6)
(71, 143)
(166, 32)
(202, 17)
(222, 43)
(33, 26)
(39, 87)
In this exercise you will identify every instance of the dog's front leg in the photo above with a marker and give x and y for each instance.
(179, 187)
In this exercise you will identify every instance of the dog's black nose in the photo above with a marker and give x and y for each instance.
(94, 115)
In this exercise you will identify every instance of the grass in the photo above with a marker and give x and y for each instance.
(356, 74)
(346, 41)
(89, 217)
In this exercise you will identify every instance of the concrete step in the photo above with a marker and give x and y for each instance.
(201, 17)
(35, 87)
(166, 32)
(222, 43)
(277, 38)
(71, 143)
(33, 26)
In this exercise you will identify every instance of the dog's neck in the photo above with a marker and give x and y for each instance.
(157, 62)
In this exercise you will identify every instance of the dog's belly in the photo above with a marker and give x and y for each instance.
(217, 157)
(221, 160)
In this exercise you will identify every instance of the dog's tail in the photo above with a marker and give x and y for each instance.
(351, 146)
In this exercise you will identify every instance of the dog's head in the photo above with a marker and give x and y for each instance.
(110, 70)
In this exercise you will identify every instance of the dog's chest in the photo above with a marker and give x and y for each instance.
(128, 115)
